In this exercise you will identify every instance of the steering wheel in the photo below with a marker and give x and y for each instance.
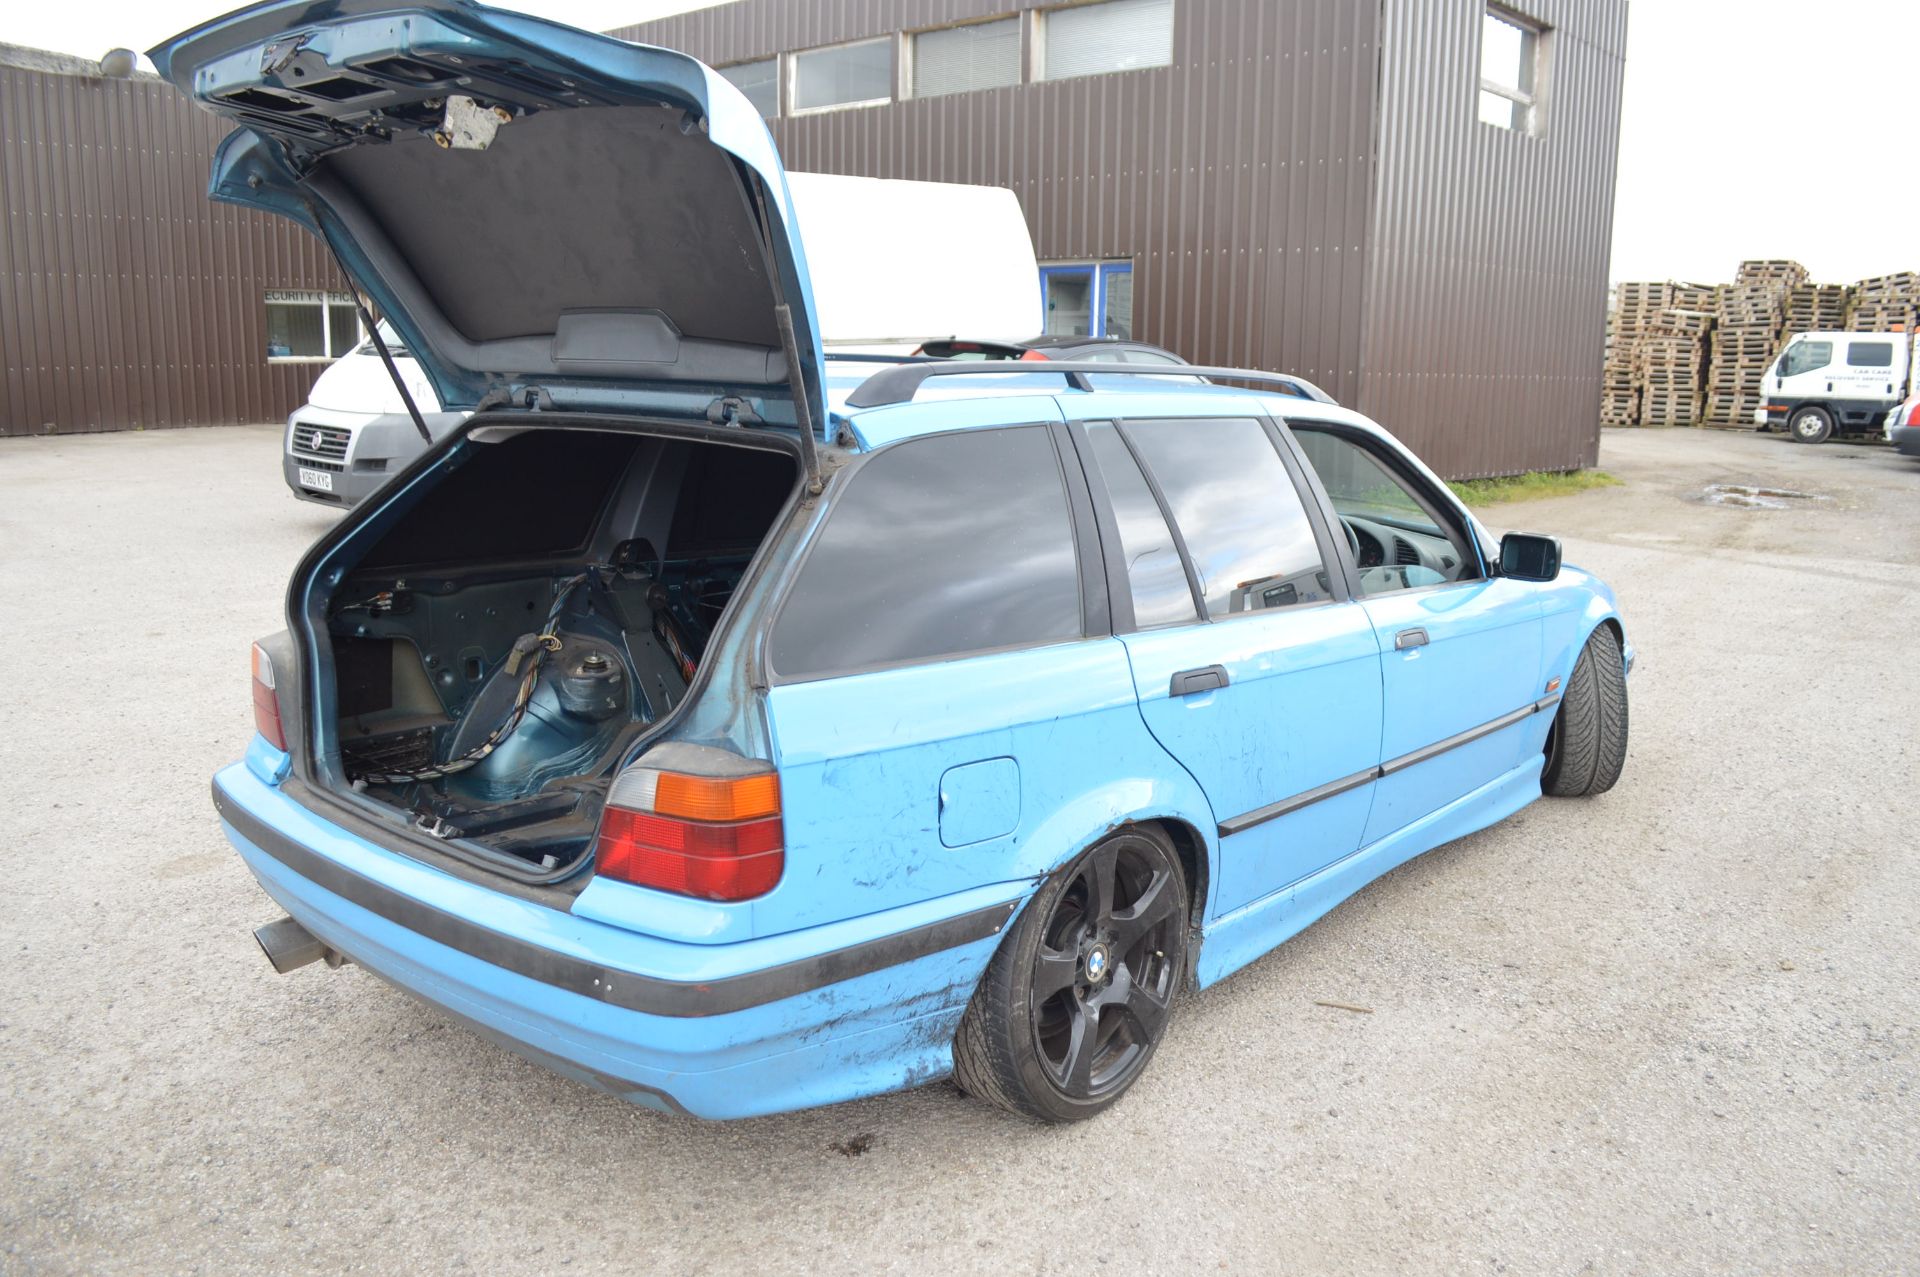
(1353, 538)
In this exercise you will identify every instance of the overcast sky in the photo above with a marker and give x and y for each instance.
(1752, 128)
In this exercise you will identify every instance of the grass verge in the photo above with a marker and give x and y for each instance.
(1531, 486)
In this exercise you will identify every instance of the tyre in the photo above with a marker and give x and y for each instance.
(1587, 744)
(1081, 991)
(1810, 425)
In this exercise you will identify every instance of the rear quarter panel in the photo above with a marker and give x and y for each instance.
(862, 758)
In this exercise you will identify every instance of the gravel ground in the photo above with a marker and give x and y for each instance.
(1669, 1030)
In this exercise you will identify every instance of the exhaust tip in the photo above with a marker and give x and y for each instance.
(288, 945)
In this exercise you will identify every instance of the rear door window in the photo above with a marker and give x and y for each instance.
(937, 548)
(1870, 354)
(1236, 506)
(1156, 578)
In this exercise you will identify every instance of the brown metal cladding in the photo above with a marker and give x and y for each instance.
(127, 298)
(1235, 179)
(1306, 189)
(1488, 248)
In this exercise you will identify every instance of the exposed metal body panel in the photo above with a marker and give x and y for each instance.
(127, 298)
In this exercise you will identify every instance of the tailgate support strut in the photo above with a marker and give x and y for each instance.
(789, 346)
(802, 410)
(373, 329)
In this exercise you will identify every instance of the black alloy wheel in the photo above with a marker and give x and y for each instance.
(1081, 992)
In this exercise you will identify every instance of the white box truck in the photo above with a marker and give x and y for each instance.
(1829, 383)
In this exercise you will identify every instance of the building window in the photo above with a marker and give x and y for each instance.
(1087, 299)
(1118, 35)
(1512, 51)
(760, 81)
(310, 325)
(984, 55)
(843, 75)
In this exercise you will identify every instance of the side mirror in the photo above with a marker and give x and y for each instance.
(1528, 557)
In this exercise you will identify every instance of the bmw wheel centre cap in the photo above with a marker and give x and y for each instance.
(1097, 963)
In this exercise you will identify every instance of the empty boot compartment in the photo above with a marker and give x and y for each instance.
(498, 646)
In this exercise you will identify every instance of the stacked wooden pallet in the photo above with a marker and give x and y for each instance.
(1886, 304)
(1752, 315)
(1673, 357)
(1619, 387)
(1814, 308)
(1651, 374)
(1621, 375)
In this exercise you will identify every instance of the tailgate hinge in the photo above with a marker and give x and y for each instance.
(532, 398)
(732, 410)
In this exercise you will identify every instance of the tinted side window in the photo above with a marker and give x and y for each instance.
(1805, 356)
(937, 547)
(1238, 510)
(1870, 354)
(1160, 592)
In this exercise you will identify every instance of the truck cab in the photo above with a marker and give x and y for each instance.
(1836, 383)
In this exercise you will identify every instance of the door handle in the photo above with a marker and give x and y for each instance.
(1415, 637)
(1204, 679)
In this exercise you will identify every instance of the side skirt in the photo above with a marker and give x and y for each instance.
(1237, 938)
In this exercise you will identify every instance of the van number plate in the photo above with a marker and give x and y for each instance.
(316, 479)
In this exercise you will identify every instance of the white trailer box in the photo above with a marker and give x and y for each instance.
(897, 263)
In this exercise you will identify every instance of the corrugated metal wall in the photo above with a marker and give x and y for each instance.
(1307, 188)
(127, 299)
(1487, 295)
(1236, 179)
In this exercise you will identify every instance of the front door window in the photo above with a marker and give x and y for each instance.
(1399, 540)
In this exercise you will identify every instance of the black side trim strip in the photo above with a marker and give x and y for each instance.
(1273, 811)
(626, 989)
(1456, 740)
(1334, 788)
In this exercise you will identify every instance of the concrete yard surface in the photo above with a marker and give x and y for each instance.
(1673, 1029)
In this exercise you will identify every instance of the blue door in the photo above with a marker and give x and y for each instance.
(1461, 658)
(1252, 666)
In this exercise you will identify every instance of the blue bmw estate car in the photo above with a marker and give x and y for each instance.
(734, 730)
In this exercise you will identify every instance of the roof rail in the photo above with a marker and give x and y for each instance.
(899, 383)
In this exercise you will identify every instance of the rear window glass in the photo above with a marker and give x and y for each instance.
(729, 497)
(937, 547)
(1245, 527)
(1870, 354)
(532, 495)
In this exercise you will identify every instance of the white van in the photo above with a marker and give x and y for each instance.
(354, 431)
(1829, 383)
(895, 264)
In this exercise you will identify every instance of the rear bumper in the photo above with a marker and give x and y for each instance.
(719, 1031)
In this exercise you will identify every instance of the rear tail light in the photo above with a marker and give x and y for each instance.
(715, 837)
(266, 704)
